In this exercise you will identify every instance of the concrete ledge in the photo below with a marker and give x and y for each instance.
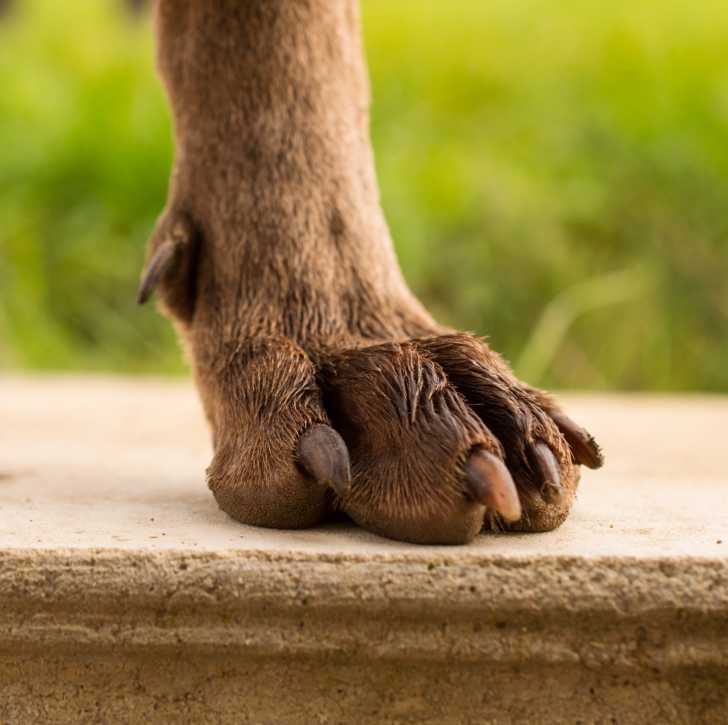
(543, 610)
(125, 595)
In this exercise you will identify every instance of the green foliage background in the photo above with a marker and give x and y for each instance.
(555, 173)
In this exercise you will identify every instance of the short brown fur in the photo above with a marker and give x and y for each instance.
(274, 261)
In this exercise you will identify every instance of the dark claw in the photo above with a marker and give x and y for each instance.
(324, 455)
(551, 487)
(489, 482)
(585, 449)
(159, 264)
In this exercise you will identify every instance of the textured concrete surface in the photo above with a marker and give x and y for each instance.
(126, 596)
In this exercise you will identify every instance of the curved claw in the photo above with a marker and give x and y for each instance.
(324, 455)
(585, 449)
(489, 482)
(158, 266)
(552, 489)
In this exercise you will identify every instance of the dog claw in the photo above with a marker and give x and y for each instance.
(551, 488)
(585, 449)
(325, 457)
(489, 482)
(158, 266)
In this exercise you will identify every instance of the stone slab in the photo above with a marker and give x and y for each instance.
(126, 595)
(106, 463)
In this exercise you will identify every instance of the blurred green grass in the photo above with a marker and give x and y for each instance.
(555, 175)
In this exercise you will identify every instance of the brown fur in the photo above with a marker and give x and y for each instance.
(280, 275)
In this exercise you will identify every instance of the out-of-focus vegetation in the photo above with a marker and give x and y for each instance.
(555, 174)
